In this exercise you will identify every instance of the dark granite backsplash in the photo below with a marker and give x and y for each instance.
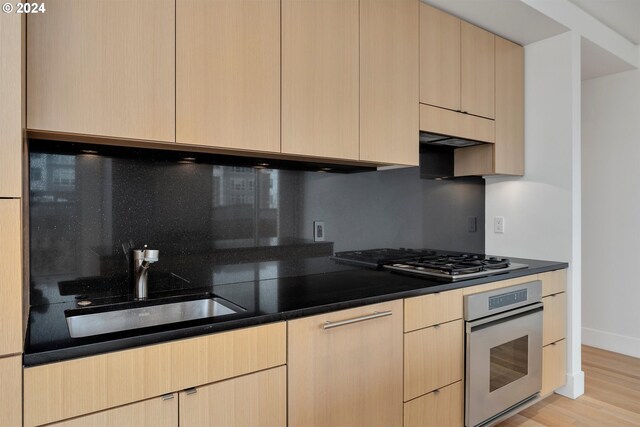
(220, 224)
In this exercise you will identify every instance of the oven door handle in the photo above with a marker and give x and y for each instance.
(532, 307)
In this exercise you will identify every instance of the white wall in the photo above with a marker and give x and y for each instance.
(611, 209)
(542, 209)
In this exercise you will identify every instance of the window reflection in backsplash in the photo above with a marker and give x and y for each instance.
(86, 210)
(217, 223)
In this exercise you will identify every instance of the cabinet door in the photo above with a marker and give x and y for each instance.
(157, 412)
(433, 358)
(349, 375)
(103, 68)
(11, 391)
(553, 367)
(555, 318)
(253, 400)
(444, 407)
(389, 117)
(228, 73)
(478, 71)
(10, 277)
(509, 113)
(320, 75)
(439, 58)
(11, 26)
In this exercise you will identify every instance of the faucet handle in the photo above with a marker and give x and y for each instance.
(151, 255)
(148, 255)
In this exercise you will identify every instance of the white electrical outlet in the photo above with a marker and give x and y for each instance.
(318, 231)
(498, 224)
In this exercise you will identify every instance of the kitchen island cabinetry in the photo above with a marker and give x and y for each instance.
(103, 68)
(258, 399)
(345, 368)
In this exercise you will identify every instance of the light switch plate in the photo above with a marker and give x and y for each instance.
(318, 231)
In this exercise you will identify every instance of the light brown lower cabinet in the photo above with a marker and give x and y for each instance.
(157, 412)
(347, 372)
(253, 400)
(441, 408)
(555, 318)
(553, 367)
(433, 358)
(11, 391)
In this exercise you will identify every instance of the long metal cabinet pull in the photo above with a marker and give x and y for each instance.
(374, 315)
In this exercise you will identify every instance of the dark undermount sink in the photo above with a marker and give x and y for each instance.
(98, 322)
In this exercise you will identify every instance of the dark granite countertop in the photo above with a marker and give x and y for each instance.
(271, 300)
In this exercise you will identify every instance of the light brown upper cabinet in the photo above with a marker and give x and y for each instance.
(506, 156)
(389, 57)
(477, 93)
(103, 68)
(509, 149)
(439, 58)
(320, 78)
(228, 73)
(456, 64)
(11, 121)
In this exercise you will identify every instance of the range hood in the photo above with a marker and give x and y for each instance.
(452, 141)
(437, 154)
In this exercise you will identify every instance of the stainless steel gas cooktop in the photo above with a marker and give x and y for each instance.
(449, 266)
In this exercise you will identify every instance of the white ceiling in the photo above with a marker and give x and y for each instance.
(515, 20)
(597, 62)
(622, 16)
(511, 19)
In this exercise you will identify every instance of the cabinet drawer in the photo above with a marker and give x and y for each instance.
(258, 399)
(433, 358)
(157, 412)
(76, 387)
(553, 367)
(444, 407)
(553, 282)
(555, 318)
(428, 310)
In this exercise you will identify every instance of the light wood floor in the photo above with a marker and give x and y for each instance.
(611, 399)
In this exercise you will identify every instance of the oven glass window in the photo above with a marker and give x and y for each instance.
(509, 362)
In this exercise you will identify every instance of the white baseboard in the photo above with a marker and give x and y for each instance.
(574, 387)
(613, 342)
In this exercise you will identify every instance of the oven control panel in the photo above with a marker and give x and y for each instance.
(496, 301)
(507, 299)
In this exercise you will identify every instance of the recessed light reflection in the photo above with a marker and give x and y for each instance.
(88, 151)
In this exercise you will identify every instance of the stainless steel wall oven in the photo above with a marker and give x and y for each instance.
(503, 351)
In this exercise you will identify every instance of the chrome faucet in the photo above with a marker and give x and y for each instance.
(142, 260)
